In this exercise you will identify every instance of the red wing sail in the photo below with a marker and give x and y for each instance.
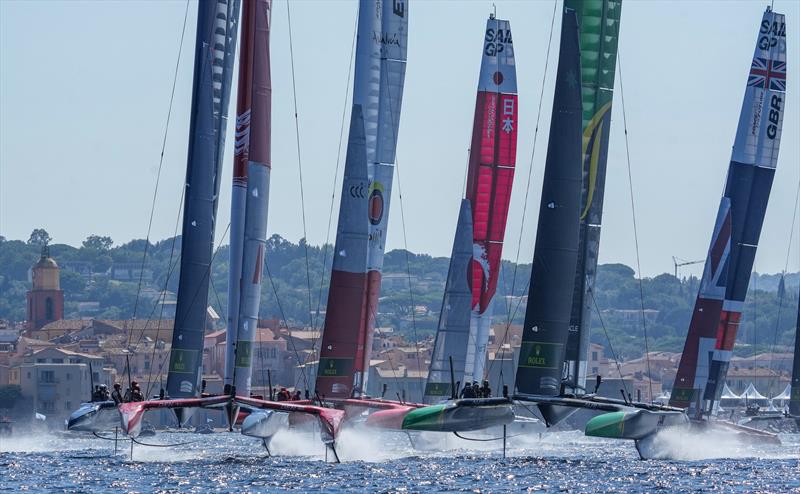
(489, 180)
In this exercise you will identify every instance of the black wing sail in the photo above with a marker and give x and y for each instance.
(555, 256)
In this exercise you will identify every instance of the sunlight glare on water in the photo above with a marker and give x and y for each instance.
(386, 462)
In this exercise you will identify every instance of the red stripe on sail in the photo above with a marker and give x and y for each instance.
(491, 175)
(727, 329)
(705, 318)
(340, 341)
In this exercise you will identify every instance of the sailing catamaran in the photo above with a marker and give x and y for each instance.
(585, 82)
(717, 312)
(215, 44)
(216, 41)
(459, 352)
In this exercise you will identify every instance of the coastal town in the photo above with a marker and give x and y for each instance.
(49, 364)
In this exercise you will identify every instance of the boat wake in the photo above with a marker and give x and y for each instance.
(676, 444)
(36, 442)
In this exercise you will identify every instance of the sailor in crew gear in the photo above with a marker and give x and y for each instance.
(476, 389)
(134, 393)
(116, 395)
(103, 393)
(486, 391)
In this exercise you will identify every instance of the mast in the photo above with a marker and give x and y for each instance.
(381, 49)
(489, 179)
(213, 66)
(726, 275)
(555, 255)
(794, 398)
(393, 41)
(599, 35)
(452, 334)
(252, 166)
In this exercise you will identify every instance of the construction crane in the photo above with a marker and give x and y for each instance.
(678, 262)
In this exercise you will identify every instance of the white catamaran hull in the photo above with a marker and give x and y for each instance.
(94, 417)
(264, 424)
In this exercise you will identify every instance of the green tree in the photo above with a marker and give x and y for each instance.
(39, 237)
(98, 243)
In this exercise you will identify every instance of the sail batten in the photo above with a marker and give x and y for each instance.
(726, 274)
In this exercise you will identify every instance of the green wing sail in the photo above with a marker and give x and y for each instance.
(598, 22)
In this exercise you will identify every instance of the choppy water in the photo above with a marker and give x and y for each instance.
(385, 462)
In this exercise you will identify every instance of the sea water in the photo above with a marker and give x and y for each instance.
(388, 462)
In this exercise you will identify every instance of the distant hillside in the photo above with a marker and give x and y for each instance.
(101, 280)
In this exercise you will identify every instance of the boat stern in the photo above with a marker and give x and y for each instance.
(633, 424)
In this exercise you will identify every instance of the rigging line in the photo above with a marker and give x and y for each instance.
(488, 438)
(285, 323)
(782, 295)
(391, 364)
(509, 313)
(755, 321)
(299, 160)
(608, 339)
(635, 231)
(326, 245)
(160, 166)
(171, 269)
(163, 445)
(533, 154)
(408, 269)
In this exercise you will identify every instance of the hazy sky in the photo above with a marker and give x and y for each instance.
(84, 92)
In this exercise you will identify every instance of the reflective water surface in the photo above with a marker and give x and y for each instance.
(386, 462)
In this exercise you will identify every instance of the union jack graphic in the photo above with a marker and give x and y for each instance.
(767, 74)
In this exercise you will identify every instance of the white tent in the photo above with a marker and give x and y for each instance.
(727, 394)
(786, 395)
(751, 393)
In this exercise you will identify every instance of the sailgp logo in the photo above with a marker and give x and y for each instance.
(496, 41)
(242, 145)
(186, 387)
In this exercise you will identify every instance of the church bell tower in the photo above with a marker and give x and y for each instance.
(45, 299)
